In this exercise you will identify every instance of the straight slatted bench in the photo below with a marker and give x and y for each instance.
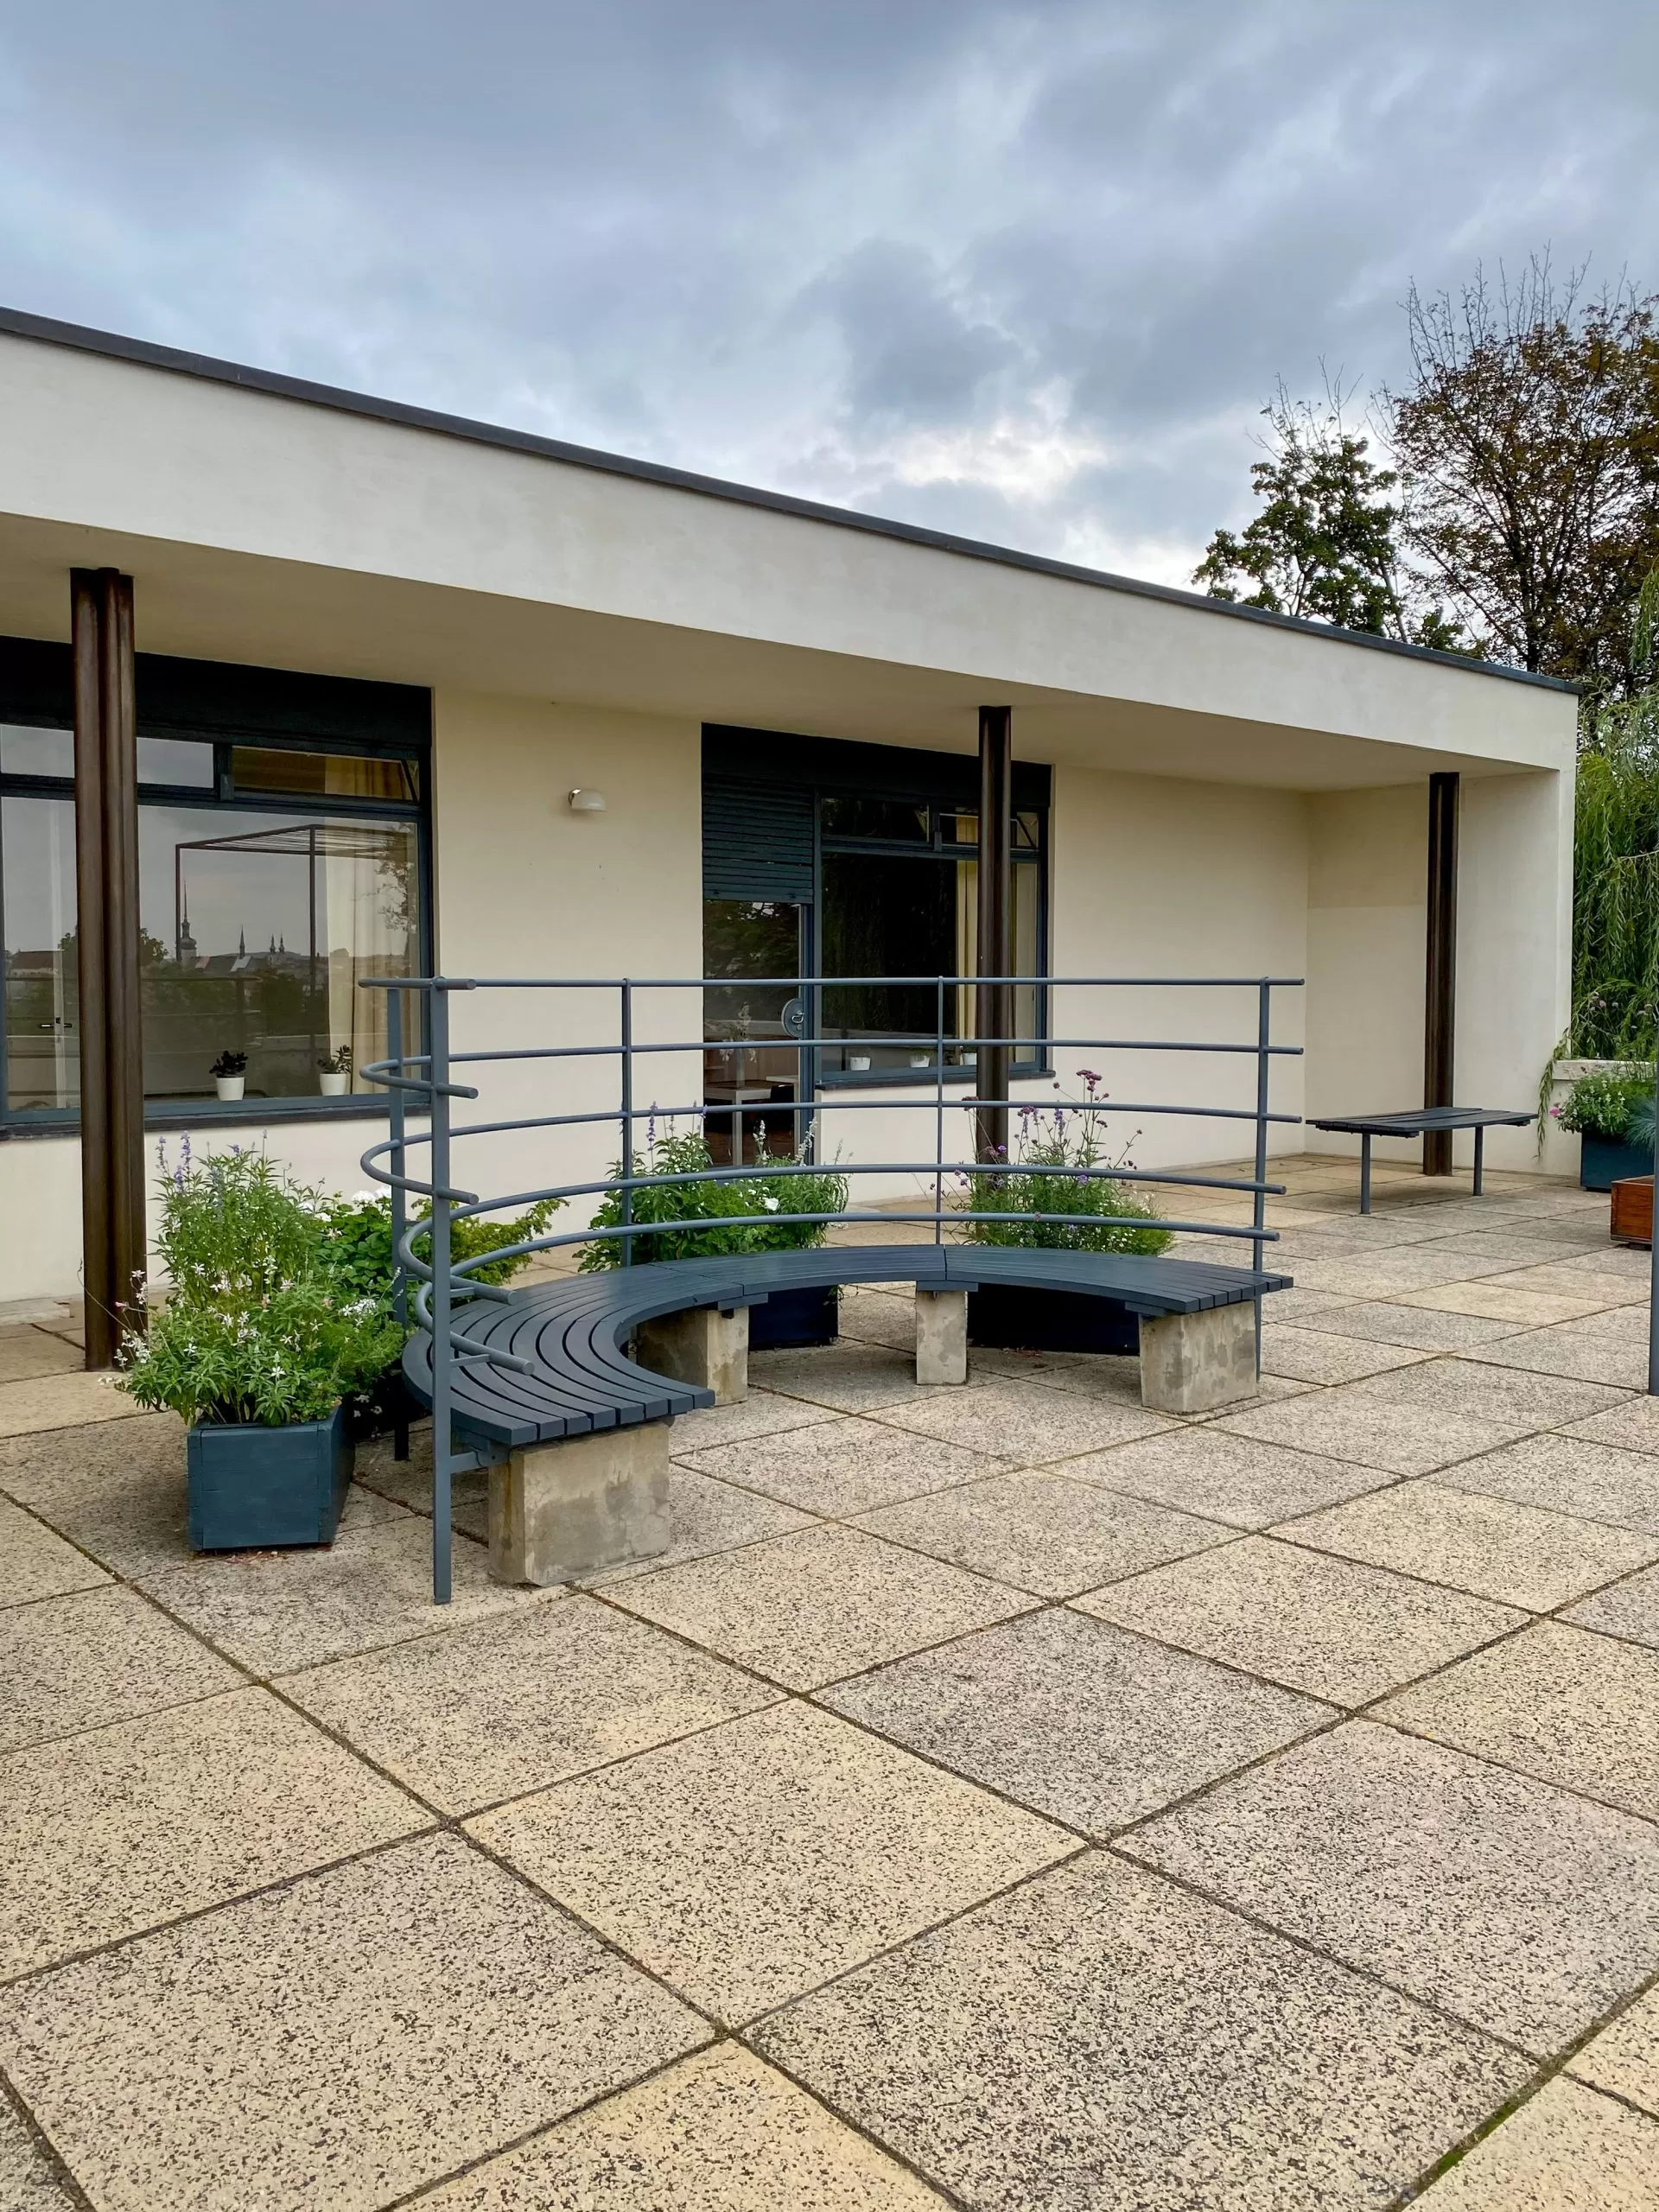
(1419, 1121)
(577, 1439)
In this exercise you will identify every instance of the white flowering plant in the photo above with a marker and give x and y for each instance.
(255, 1330)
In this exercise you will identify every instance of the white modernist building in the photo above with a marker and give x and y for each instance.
(378, 651)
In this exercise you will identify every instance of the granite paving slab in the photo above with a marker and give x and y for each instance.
(707, 1516)
(1566, 2150)
(29, 2181)
(720, 2132)
(1630, 1608)
(749, 1864)
(763, 1413)
(41, 1467)
(1025, 1422)
(1330, 1627)
(877, 1317)
(1558, 1702)
(850, 1378)
(1080, 1719)
(513, 1703)
(340, 2041)
(1495, 1301)
(61, 1400)
(95, 1657)
(1631, 1425)
(26, 1354)
(1211, 1471)
(1308, 1355)
(1374, 1327)
(1340, 1424)
(1517, 1554)
(1600, 1348)
(1518, 1907)
(1574, 1278)
(114, 1831)
(805, 1609)
(1623, 2058)
(1567, 1473)
(35, 1563)
(1037, 1529)
(1100, 2037)
(843, 1467)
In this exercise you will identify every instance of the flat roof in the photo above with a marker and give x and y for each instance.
(16, 322)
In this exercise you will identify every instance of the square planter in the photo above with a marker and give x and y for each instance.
(791, 1318)
(1012, 1319)
(255, 1489)
(1632, 1210)
(1604, 1161)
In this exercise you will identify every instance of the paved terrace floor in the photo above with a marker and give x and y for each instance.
(999, 1798)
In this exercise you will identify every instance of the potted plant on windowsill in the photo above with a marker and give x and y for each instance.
(1059, 1155)
(789, 1318)
(1611, 1112)
(230, 1074)
(334, 1073)
(256, 1349)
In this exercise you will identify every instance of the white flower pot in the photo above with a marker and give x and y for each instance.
(333, 1082)
(229, 1086)
(859, 1062)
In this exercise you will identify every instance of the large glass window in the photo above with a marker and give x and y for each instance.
(272, 881)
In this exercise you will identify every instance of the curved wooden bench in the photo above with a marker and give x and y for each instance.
(603, 1503)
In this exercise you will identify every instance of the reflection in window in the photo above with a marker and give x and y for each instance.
(42, 1009)
(324, 775)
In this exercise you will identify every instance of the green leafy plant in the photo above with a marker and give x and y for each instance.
(229, 1063)
(339, 1062)
(716, 1209)
(1060, 1163)
(1616, 1103)
(357, 1251)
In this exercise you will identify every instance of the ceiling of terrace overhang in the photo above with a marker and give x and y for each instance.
(213, 605)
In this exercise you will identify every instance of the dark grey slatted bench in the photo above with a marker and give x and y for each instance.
(1419, 1121)
(577, 1437)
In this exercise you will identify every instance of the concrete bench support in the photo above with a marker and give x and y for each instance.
(558, 1510)
(941, 1336)
(1193, 1363)
(704, 1346)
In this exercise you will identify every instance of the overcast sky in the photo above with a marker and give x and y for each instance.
(1025, 271)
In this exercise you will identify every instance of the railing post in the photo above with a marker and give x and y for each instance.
(938, 1113)
(1653, 1256)
(625, 1023)
(395, 1115)
(1259, 1197)
(437, 1046)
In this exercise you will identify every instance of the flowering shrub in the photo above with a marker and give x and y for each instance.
(721, 1205)
(1062, 1164)
(357, 1250)
(1614, 1102)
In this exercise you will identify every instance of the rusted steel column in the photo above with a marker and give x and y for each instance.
(1439, 1017)
(992, 998)
(106, 882)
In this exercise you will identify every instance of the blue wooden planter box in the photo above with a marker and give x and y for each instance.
(255, 1489)
(1604, 1161)
(1018, 1319)
(792, 1318)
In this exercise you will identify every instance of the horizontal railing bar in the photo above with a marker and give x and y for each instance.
(894, 1040)
(815, 983)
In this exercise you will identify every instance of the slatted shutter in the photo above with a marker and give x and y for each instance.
(757, 840)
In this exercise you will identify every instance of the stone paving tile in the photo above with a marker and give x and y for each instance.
(36, 1469)
(876, 1317)
(278, 1612)
(27, 1353)
(1309, 1355)
(1102, 2038)
(763, 1413)
(850, 1378)
(806, 1609)
(406, 1484)
(1518, 1907)
(510, 1705)
(1625, 2058)
(1492, 1299)
(1601, 1348)
(1232, 1479)
(1385, 1273)
(752, 1863)
(1631, 1425)
(1327, 1626)
(34, 1563)
(1076, 1718)
(1473, 1389)
(1566, 2150)
(100, 1656)
(337, 2041)
(706, 1516)
(1299, 1304)
(1574, 1279)
(1037, 1529)
(1567, 1474)
(1557, 1702)
(720, 2131)
(63, 1401)
(844, 1466)
(27, 2181)
(1378, 1326)
(104, 1834)
(1630, 1608)
(1515, 1554)
(1024, 1422)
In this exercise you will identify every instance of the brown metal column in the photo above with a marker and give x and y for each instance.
(106, 880)
(1439, 1019)
(993, 999)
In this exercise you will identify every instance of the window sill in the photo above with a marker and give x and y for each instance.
(918, 1079)
(165, 1115)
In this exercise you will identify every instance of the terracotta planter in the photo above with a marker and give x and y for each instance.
(1632, 1210)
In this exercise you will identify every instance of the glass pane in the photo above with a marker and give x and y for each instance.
(37, 867)
(36, 752)
(185, 760)
(896, 820)
(886, 915)
(959, 828)
(256, 931)
(330, 775)
(1027, 920)
(751, 1062)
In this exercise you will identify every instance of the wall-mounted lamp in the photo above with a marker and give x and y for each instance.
(583, 802)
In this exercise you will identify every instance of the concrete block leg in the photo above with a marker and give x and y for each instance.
(1193, 1363)
(941, 1336)
(703, 1346)
(558, 1510)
